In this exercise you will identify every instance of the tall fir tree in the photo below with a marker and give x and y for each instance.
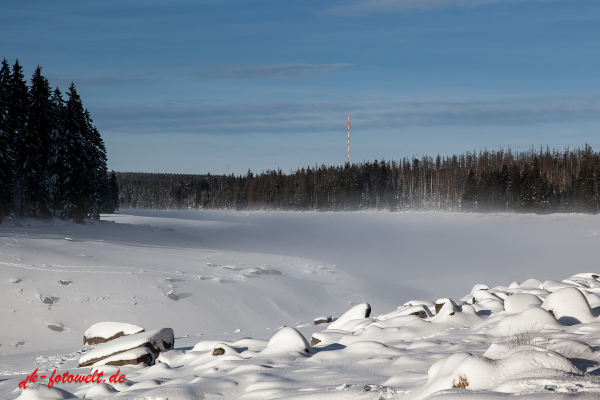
(25, 168)
(57, 172)
(96, 151)
(6, 155)
(40, 128)
(74, 186)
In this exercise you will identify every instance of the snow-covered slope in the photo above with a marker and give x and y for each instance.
(248, 274)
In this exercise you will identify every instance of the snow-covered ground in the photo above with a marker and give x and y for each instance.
(219, 277)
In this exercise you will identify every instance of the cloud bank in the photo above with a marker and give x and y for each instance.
(358, 8)
(277, 71)
(294, 118)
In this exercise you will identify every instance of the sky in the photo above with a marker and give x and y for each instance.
(223, 86)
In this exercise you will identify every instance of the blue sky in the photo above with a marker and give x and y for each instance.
(202, 86)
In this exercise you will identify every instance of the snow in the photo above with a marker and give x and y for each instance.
(240, 292)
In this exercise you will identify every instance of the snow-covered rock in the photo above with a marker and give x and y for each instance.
(133, 356)
(359, 311)
(106, 331)
(155, 340)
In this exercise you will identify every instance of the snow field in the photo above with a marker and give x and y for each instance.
(537, 339)
(488, 352)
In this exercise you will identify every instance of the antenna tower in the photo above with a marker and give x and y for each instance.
(348, 138)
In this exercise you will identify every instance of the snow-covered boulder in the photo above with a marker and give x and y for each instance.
(327, 337)
(359, 311)
(445, 306)
(131, 357)
(221, 349)
(519, 302)
(479, 286)
(106, 331)
(569, 306)
(483, 295)
(156, 341)
(287, 340)
(420, 311)
(322, 320)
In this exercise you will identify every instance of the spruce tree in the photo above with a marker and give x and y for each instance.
(25, 168)
(6, 156)
(98, 178)
(57, 172)
(39, 135)
(74, 185)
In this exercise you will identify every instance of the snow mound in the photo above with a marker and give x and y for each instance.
(37, 391)
(285, 341)
(100, 390)
(528, 321)
(106, 331)
(484, 374)
(519, 302)
(569, 306)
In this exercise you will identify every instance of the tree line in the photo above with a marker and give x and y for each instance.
(52, 158)
(540, 181)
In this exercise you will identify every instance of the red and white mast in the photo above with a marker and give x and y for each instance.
(348, 138)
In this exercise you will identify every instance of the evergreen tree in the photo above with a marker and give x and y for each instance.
(39, 136)
(469, 197)
(6, 156)
(98, 173)
(22, 145)
(57, 171)
(111, 198)
(72, 153)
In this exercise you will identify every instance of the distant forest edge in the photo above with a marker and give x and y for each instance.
(52, 159)
(538, 181)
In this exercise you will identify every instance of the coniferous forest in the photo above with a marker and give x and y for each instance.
(537, 180)
(52, 159)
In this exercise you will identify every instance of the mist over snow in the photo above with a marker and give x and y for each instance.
(227, 282)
